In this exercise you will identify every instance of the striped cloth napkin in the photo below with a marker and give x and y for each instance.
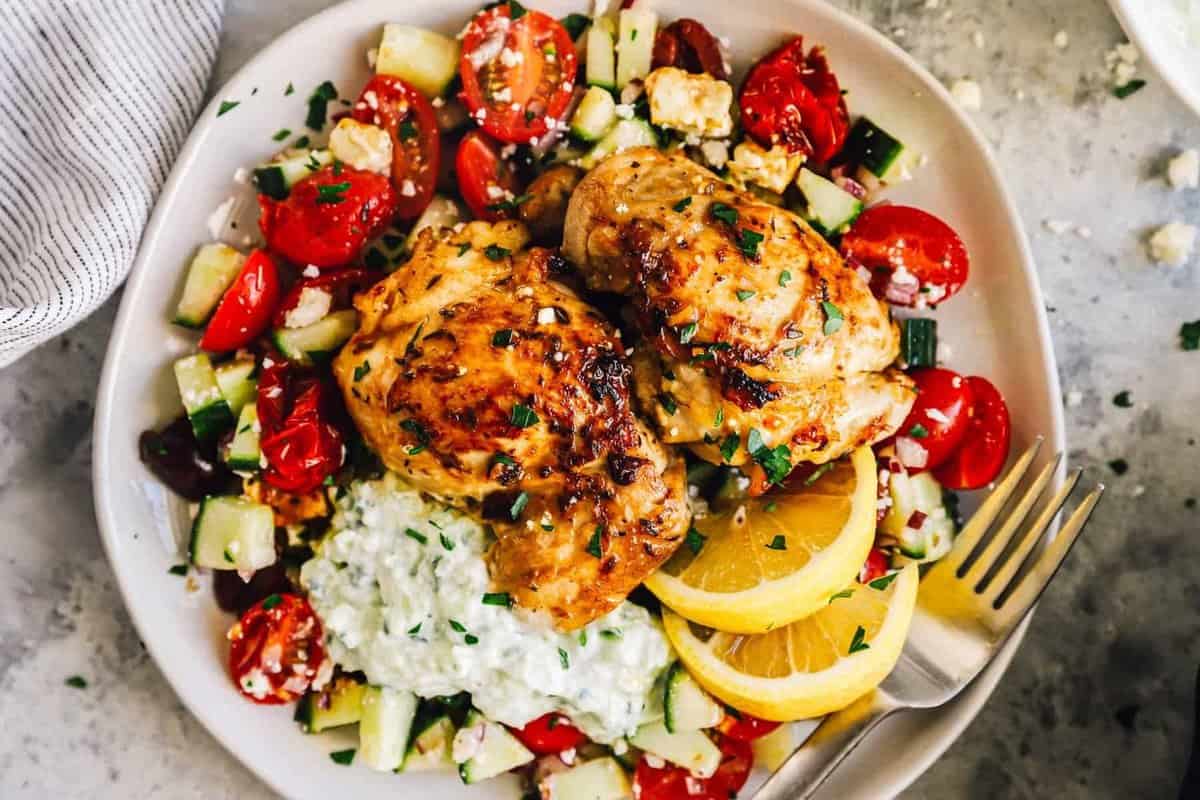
(96, 98)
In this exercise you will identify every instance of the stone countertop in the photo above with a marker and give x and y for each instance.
(1105, 676)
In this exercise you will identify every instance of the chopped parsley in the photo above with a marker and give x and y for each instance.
(414, 630)
(301, 143)
(844, 593)
(498, 599)
(744, 294)
(583, 638)
(667, 401)
(510, 206)
(502, 337)
(833, 318)
(857, 642)
(695, 540)
(818, 472)
(574, 24)
(281, 134)
(595, 545)
(496, 253)
(1126, 89)
(270, 601)
(179, 569)
(1189, 335)
(729, 446)
(785, 278)
(775, 461)
(523, 416)
(682, 204)
(688, 332)
(447, 542)
(463, 248)
(471, 638)
(771, 507)
(407, 130)
(227, 106)
(748, 242)
(338, 166)
(419, 433)
(515, 10)
(918, 431)
(1119, 466)
(719, 417)
(504, 458)
(361, 371)
(724, 213)
(778, 543)
(343, 757)
(633, 35)
(458, 626)
(611, 633)
(228, 556)
(330, 193)
(76, 682)
(289, 90)
(883, 581)
(1123, 400)
(416, 535)
(318, 104)
(564, 659)
(518, 505)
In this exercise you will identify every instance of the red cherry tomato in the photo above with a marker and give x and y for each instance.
(984, 449)
(792, 98)
(276, 649)
(876, 566)
(517, 73)
(676, 783)
(329, 216)
(914, 258)
(484, 179)
(300, 444)
(245, 309)
(549, 734)
(409, 118)
(938, 420)
(687, 44)
(745, 728)
(343, 284)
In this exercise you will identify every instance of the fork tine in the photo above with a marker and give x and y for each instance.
(1032, 536)
(1017, 604)
(972, 533)
(1001, 539)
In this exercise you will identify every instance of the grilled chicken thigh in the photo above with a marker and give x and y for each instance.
(751, 320)
(493, 387)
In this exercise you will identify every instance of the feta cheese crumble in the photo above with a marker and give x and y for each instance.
(695, 104)
(362, 146)
(1183, 171)
(967, 93)
(1173, 243)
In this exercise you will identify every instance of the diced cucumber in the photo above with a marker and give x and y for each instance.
(601, 56)
(691, 750)
(338, 704)
(625, 134)
(276, 178)
(430, 747)
(427, 60)
(829, 208)
(598, 779)
(918, 342)
(918, 493)
(635, 45)
(202, 399)
(575, 24)
(212, 271)
(243, 453)
(237, 382)
(595, 116)
(687, 706)
(776, 747)
(878, 153)
(318, 341)
(442, 212)
(233, 533)
(387, 718)
(484, 749)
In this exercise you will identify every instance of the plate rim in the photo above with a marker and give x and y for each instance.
(966, 706)
(1135, 27)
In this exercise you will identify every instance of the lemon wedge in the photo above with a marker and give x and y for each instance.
(775, 559)
(809, 668)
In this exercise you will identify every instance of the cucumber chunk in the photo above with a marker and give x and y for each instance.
(237, 382)
(427, 60)
(318, 341)
(276, 178)
(879, 153)
(442, 212)
(601, 56)
(243, 453)
(828, 208)
(484, 749)
(202, 399)
(692, 750)
(918, 342)
(625, 134)
(595, 116)
(598, 779)
(212, 271)
(338, 704)
(687, 706)
(635, 45)
(233, 533)
(387, 718)
(430, 746)
(918, 493)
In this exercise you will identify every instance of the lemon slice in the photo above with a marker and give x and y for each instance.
(805, 669)
(775, 559)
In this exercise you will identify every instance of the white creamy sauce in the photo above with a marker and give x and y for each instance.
(405, 611)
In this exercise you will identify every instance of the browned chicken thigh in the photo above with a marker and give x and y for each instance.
(751, 320)
(489, 385)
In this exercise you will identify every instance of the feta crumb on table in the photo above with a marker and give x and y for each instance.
(967, 93)
(1183, 171)
(1173, 243)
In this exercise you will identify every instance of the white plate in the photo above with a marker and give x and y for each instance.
(1155, 27)
(996, 328)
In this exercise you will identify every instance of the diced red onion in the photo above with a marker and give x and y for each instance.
(917, 520)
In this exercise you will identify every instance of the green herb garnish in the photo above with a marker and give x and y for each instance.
(918, 431)
(682, 204)
(667, 401)
(695, 540)
(1123, 399)
(883, 581)
(785, 278)
(318, 104)
(330, 193)
(496, 253)
(1189, 335)
(227, 106)
(688, 332)
(419, 433)
(361, 371)
(179, 569)
(498, 599)
(416, 535)
(748, 242)
(729, 446)
(744, 294)
(270, 601)
(844, 593)
(564, 659)
(76, 682)
(281, 134)
(343, 757)
(518, 505)
(1124, 90)
(510, 206)
(778, 543)
(857, 641)
(724, 213)
(595, 543)
(523, 416)
(775, 461)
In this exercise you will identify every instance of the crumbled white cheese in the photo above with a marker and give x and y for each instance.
(977, 39)
(312, 305)
(1061, 40)
(1057, 226)
(624, 111)
(372, 57)
(696, 104)
(241, 175)
(311, 271)
(1074, 398)
(1122, 62)
(1173, 243)
(362, 146)
(967, 93)
(1183, 171)
(715, 152)
(408, 188)
(1083, 231)
(932, 5)
(621, 208)
(772, 169)
(545, 316)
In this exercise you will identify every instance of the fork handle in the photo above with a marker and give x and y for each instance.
(836, 737)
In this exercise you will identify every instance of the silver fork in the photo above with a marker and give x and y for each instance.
(966, 610)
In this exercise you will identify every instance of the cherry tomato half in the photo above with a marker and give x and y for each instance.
(938, 420)
(329, 216)
(408, 117)
(793, 98)
(676, 783)
(984, 449)
(246, 307)
(549, 734)
(276, 649)
(342, 284)
(687, 44)
(302, 447)
(484, 179)
(745, 728)
(914, 258)
(518, 71)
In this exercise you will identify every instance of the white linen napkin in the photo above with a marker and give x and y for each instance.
(96, 98)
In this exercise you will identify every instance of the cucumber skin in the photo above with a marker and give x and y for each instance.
(873, 147)
(270, 181)
(195, 535)
(210, 421)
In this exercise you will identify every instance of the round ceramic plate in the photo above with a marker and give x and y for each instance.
(1158, 29)
(996, 327)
